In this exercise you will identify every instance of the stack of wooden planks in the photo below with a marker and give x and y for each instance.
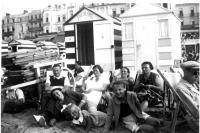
(19, 65)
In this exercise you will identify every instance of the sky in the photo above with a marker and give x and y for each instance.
(18, 6)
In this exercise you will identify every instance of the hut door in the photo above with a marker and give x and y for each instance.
(103, 42)
(85, 43)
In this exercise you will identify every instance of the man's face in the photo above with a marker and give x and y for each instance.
(192, 75)
(119, 90)
(58, 95)
(146, 69)
(75, 112)
(56, 71)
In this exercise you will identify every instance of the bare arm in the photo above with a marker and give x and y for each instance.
(159, 85)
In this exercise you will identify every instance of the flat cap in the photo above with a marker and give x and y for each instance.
(190, 65)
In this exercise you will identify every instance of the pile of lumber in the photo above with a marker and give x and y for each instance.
(19, 65)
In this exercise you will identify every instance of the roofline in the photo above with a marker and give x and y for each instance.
(79, 12)
(142, 15)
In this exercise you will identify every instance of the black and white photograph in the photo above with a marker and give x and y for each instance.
(99, 66)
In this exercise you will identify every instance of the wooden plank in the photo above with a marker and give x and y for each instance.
(14, 87)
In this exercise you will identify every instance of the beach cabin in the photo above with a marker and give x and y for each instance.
(92, 37)
(4, 47)
(150, 33)
(21, 45)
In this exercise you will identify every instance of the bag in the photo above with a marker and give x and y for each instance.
(103, 105)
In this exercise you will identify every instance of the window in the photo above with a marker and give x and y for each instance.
(10, 29)
(47, 19)
(5, 29)
(71, 13)
(180, 12)
(182, 23)
(165, 5)
(163, 28)
(13, 29)
(114, 12)
(128, 27)
(58, 18)
(36, 16)
(2, 21)
(192, 12)
(122, 10)
(64, 17)
(59, 28)
(193, 23)
(47, 30)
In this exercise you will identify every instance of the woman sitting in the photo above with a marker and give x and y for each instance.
(94, 86)
(124, 76)
(148, 86)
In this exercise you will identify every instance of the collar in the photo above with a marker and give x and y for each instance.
(80, 119)
(117, 101)
(57, 77)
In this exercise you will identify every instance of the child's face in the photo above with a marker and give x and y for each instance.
(75, 112)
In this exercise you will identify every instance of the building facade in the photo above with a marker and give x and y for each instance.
(112, 9)
(35, 26)
(15, 26)
(189, 14)
(54, 16)
(150, 33)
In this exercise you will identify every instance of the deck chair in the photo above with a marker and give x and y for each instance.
(171, 79)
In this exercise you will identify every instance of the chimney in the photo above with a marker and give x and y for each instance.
(49, 6)
(25, 11)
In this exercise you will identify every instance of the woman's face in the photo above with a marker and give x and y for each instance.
(124, 73)
(96, 72)
(146, 69)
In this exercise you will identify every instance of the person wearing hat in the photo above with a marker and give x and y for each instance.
(56, 79)
(59, 99)
(188, 91)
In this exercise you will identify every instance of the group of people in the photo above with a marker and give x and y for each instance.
(127, 99)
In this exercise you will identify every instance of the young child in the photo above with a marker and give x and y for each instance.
(86, 119)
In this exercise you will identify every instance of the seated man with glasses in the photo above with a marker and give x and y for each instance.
(188, 91)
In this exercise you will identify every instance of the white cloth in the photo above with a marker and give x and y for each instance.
(94, 96)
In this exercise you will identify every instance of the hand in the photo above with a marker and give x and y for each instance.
(141, 85)
(21, 100)
(148, 86)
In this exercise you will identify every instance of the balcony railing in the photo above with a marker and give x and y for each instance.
(35, 20)
(35, 29)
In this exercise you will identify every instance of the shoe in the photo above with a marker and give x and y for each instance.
(40, 120)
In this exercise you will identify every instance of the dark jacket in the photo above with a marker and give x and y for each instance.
(114, 109)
